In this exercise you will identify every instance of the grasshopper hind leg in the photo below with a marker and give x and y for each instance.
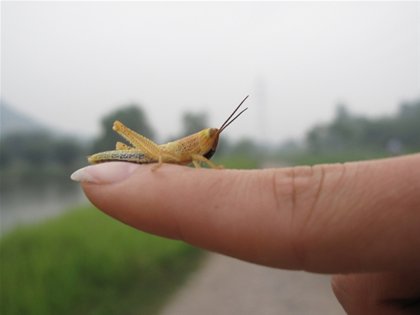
(150, 149)
(122, 146)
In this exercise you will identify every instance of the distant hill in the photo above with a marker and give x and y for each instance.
(11, 121)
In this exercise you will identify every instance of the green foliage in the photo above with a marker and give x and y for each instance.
(394, 134)
(67, 152)
(193, 122)
(38, 153)
(232, 161)
(408, 124)
(86, 263)
(244, 147)
(132, 116)
(33, 148)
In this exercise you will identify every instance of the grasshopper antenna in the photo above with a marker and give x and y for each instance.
(229, 120)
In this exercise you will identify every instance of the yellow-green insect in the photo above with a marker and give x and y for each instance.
(196, 148)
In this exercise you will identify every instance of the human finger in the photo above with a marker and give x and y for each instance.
(362, 216)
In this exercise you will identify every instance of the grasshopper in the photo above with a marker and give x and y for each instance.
(196, 148)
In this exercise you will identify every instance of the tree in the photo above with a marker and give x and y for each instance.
(349, 132)
(67, 152)
(245, 147)
(132, 116)
(193, 122)
(408, 125)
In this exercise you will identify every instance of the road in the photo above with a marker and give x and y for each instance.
(226, 286)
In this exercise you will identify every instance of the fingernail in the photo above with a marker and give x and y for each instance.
(106, 173)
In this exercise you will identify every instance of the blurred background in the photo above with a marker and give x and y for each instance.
(328, 82)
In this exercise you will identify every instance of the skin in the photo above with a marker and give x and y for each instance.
(358, 221)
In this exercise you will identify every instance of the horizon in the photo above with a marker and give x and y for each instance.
(42, 125)
(69, 64)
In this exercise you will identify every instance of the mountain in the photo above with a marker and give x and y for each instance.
(11, 121)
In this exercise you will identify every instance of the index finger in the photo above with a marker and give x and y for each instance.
(362, 216)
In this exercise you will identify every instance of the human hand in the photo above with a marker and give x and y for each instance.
(361, 219)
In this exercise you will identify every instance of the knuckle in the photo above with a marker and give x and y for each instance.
(307, 189)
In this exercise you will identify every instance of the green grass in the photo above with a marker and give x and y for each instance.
(84, 262)
(237, 162)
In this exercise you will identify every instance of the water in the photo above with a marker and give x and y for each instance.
(30, 203)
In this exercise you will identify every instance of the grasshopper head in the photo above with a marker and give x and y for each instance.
(211, 135)
(210, 140)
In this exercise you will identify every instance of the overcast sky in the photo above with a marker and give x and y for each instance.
(68, 64)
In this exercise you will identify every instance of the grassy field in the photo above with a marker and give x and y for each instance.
(237, 162)
(84, 262)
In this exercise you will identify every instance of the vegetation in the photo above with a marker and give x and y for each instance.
(237, 162)
(351, 137)
(86, 263)
(35, 155)
(193, 122)
(39, 155)
(132, 116)
(394, 134)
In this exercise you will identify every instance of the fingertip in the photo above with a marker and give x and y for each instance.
(104, 173)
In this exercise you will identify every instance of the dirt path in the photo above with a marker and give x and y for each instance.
(227, 286)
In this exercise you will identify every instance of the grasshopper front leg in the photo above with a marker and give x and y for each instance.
(196, 159)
